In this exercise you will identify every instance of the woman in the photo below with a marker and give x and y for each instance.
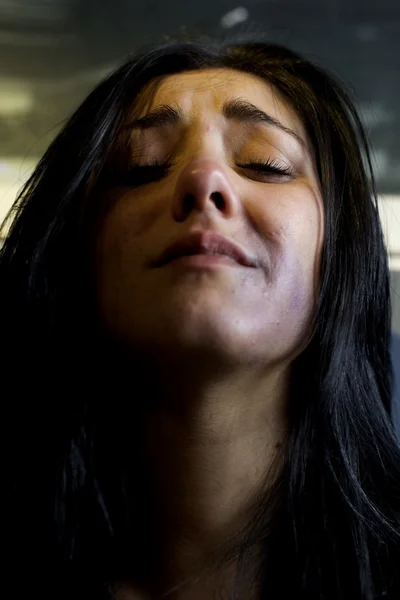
(185, 425)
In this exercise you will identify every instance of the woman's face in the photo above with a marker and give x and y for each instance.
(235, 313)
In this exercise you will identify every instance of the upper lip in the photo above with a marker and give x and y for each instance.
(206, 242)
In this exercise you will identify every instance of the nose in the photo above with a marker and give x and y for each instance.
(204, 185)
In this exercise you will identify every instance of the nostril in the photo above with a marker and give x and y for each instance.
(217, 197)
(188, 202)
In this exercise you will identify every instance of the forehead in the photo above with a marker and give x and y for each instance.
(204, 92)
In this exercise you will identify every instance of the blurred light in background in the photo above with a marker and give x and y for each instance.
(16, 99)
(389, 207)
(233, 17)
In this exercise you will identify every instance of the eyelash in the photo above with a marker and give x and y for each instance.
(142, 174)
(268, 166)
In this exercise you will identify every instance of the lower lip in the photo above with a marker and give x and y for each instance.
(204, 260)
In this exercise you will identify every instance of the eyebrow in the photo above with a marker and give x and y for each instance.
(236, 110)
(161, 116)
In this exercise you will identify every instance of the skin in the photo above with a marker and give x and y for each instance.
(212, 348)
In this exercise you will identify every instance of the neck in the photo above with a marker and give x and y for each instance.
(205, 467)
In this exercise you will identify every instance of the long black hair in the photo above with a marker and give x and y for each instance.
(329, 528)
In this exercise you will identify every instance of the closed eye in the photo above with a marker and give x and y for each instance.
(272, 167)
(137, 174)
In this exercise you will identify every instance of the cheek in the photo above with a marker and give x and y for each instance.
(295, 232)
(300, 224)
(292, 300)
(306, 254)
(119, 241)
(117, 257)
(293, 284)
(305, 267)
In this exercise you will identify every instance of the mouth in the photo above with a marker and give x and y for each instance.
(207, 247)
(204, 260)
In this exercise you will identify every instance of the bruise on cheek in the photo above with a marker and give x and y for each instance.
(297, 301)
(299, 289)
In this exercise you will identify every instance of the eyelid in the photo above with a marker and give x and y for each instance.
(140, 174)
(155, 164)
(271, 166)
